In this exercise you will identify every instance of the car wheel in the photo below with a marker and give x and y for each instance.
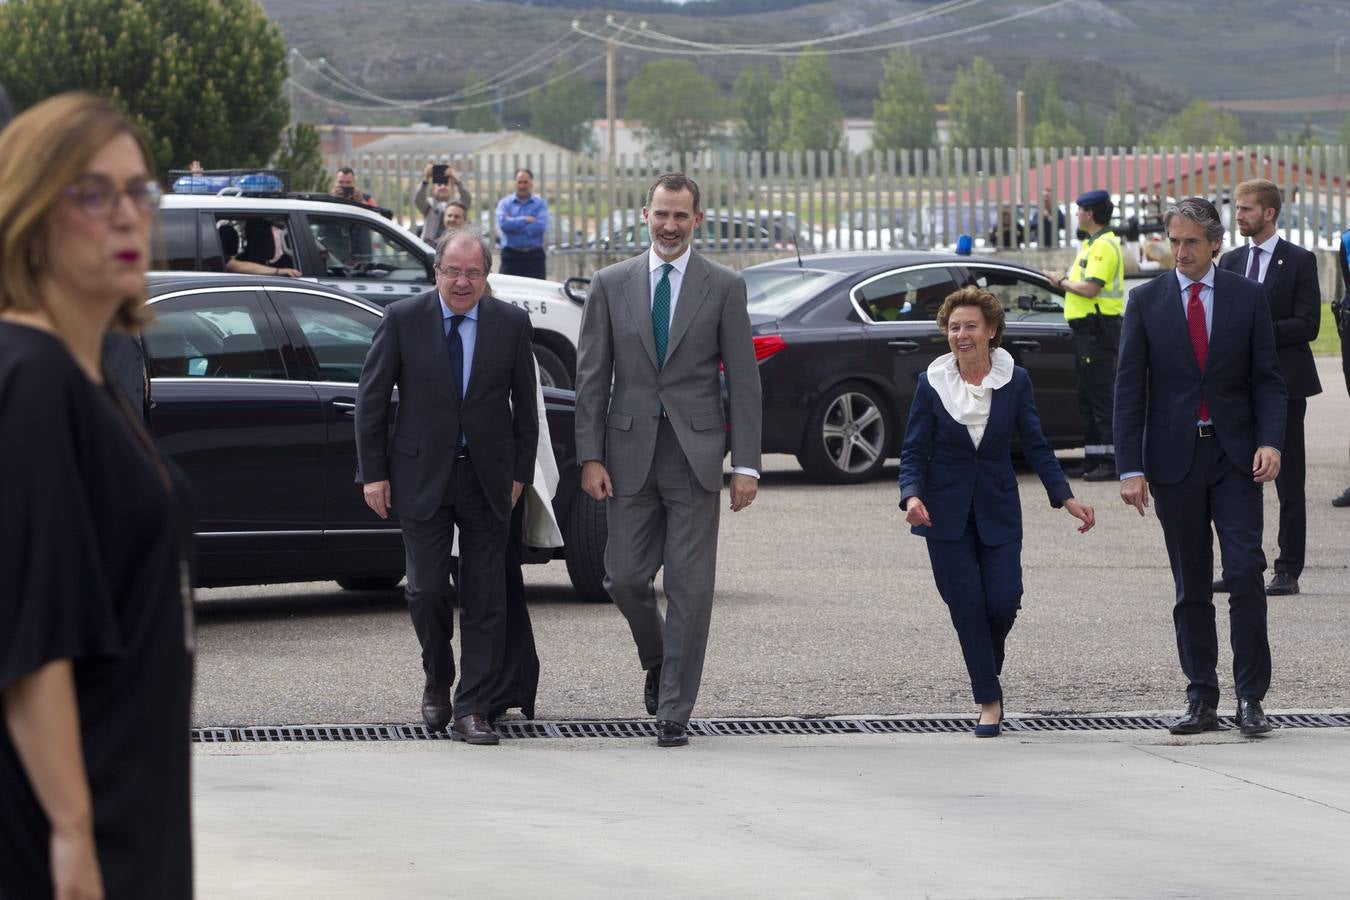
(585, 534)
(847, 435)
(370, 582)
(552, 371)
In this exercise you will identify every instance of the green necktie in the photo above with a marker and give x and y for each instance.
(661, 313)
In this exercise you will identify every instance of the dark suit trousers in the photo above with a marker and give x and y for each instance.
(516, 681)
(1215, 490)
(670, 524)
(982, 587)
(1289, 485)
(531, 263)
(481, 587)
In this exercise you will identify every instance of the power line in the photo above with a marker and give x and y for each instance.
(699, 48)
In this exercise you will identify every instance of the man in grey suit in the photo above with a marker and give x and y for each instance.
(460, 451)
(651, 434)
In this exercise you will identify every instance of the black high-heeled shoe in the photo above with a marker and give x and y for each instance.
(990, 730)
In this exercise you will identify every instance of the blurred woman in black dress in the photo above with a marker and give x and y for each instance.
(95, 608)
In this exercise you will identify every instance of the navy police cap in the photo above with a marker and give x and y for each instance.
(1093, 198)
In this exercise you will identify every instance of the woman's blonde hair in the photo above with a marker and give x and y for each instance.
(42, 152)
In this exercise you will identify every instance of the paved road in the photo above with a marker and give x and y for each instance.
(826, 606)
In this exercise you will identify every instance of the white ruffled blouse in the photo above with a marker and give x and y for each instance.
(969, 403)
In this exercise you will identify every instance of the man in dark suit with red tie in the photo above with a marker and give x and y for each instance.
(1288, 274)
(1199, 418)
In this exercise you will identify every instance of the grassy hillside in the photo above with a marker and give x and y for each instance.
(417, 48)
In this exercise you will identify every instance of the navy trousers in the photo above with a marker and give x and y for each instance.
(1214, 490)
(982, 587)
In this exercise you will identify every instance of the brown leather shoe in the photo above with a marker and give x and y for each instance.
(436, 707)
(473, 730)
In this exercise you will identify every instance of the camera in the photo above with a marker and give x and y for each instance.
(347, 191)
(439, 173)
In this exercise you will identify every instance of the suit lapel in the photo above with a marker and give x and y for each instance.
(1276, 267)
(433, 321)
(1222, 319)
(693, 292)
(637, 290)
(1174, 321)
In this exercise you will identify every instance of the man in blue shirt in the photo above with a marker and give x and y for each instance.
(522, 218)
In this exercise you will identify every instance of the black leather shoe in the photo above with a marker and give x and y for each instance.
(1220, 587)
(651, 693)
(1200, 716)
(473, 730)
(1074, 468)
(1282, 584)
(1100, 472)
(1343, 499)
(436, 707)
(1251, 718)
(671, 734)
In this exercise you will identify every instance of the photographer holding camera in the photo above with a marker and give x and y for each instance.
(445, 186)
(344, 185)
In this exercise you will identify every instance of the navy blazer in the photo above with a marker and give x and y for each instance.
(1159, 384)
(498, 416)
(941, 466)
(1295, 300)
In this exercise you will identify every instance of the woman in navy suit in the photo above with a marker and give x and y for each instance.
(958, 488)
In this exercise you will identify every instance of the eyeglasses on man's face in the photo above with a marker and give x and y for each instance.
(454, 273)
(98, 197)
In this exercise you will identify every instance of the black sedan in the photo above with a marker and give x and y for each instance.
(842, 338)
(253, 392)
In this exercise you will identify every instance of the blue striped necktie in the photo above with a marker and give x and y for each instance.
(661, 314)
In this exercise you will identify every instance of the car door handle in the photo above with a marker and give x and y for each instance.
(346, 405)
(903, 346)
(1027, 345)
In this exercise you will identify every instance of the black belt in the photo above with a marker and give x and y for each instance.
(462, 453)
(1204, 430)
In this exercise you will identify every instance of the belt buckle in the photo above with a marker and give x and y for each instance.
(1205, 431)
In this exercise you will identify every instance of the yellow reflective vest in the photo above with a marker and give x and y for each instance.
(1099, 259)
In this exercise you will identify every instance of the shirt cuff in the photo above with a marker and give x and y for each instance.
(744, 470)
(1124, 475)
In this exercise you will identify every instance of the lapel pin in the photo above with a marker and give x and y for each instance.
(1279, 262)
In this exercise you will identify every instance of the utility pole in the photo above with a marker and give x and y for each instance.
(611, 157)
(1021, 155)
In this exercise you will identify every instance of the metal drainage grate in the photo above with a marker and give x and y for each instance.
(635, 728)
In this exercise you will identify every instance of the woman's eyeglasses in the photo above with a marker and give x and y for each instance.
(97, 196)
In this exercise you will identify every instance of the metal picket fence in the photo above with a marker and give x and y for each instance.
(916, 199)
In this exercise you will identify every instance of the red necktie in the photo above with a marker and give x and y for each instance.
(1195, 323)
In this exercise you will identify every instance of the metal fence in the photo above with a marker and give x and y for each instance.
(910, 199)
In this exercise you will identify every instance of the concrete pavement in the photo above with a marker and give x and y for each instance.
(1114, 814)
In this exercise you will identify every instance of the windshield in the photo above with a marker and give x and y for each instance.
(780, 291)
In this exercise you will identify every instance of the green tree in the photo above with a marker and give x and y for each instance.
(1045, 109)
(806, 112)
(679, 107)
(203, 78)
(752, 94)
(1122, 124)
(903, 114)
(561, 112)
(977, 106)
(302, 159)
(480, 116)
(1200, 125)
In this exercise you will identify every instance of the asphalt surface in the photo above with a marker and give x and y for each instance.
(825, 606)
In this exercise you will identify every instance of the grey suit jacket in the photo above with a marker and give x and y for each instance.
(621, 391)
(497, 416)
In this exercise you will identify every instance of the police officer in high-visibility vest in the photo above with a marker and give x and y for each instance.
(1094, 303)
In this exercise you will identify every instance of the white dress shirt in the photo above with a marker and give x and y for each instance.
(676, 279)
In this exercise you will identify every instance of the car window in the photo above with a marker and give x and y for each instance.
(178, 228)
(338, 333)
(1025, 298)
(350, 248)
(778, 292)
(904, 295)
(215, 334)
